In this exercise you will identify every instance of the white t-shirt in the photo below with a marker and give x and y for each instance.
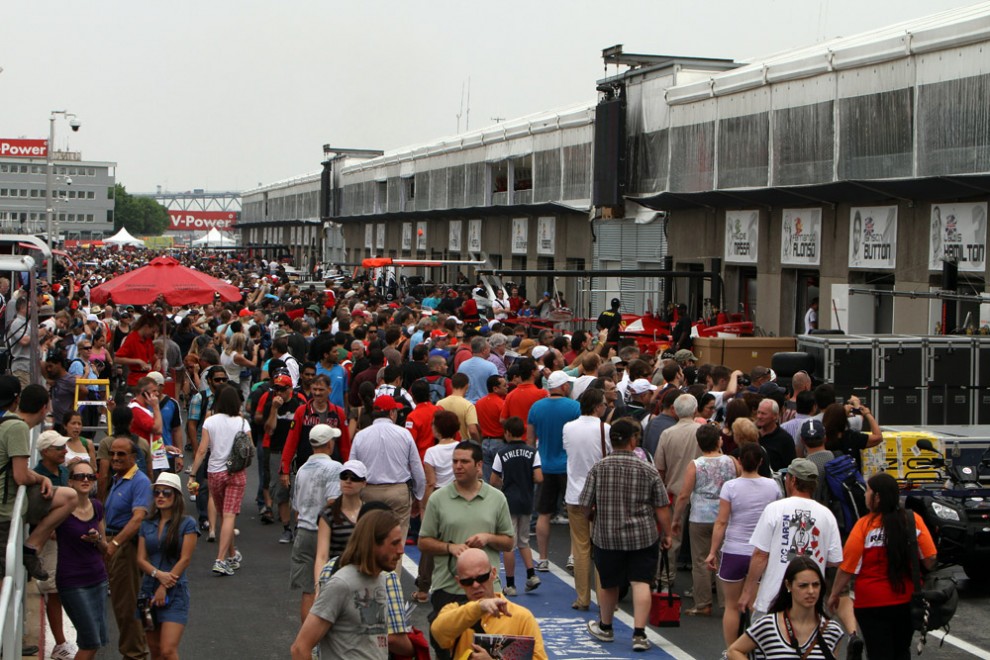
(788, 528)
(810, 320)
(580, 385)
(441, 459)
(583, 445)
(222, 429)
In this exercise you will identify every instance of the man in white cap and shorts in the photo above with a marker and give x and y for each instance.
(317, 485)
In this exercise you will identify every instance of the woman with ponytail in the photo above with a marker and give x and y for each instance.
(877, 553)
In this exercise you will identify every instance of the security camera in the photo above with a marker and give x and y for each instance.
(74, 124)
(68, 181)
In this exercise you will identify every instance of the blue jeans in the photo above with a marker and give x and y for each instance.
(87, 610)
(489, 448)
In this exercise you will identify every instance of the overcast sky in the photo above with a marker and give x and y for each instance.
(227, 94)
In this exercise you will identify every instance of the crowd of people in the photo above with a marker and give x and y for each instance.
(378, 424)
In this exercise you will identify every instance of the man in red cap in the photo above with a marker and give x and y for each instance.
(390, 454)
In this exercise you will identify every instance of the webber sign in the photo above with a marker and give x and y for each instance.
(23, 148)
(202, 220)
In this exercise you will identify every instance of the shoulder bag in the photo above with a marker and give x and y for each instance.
(934, 601)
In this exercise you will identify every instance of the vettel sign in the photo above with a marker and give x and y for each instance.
(202, 220)
(23, 148)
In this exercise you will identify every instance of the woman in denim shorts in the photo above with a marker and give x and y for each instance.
(165, 547)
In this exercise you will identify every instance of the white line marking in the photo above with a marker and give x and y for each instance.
(960, 644)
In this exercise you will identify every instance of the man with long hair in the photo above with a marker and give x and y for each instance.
(348, 617)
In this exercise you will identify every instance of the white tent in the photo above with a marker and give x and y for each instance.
(123, 237)
(214, 239)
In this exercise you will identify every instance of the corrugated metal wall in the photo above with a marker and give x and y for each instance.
(634, 247)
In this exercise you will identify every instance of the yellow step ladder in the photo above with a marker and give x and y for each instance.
(104, 383)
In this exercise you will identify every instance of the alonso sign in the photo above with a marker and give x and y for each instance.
(22, 148)
(202, 220)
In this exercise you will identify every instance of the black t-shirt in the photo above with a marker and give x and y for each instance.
(779, 445)
(286, 412)
(413, 371)
(850, 442)
(609, 320)
(517, 477)
(682, 334)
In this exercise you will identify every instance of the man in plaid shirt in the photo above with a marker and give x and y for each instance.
(631, 511)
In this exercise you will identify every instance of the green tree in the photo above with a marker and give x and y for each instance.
(142, 216)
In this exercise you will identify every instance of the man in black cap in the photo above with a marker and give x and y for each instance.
(611, 320)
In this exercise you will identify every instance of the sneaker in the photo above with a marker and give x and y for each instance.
(542, 565)
(235, 562)
(204, 525)
(601, 635)
(32, 564)
(286, 536)
(560, 520)
(570, 564)
(533, 583)
(266, 516)
(221, 567)
(509, 591)
(63, 652)
(640, 643)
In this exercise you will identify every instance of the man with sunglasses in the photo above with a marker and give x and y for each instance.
(466, 513)
(456, 624)
(127, 504)
(276, 410)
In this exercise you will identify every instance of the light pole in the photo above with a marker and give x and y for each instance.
(74, 123)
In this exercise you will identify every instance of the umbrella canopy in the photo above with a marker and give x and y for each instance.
(165, 277)
(123, 237)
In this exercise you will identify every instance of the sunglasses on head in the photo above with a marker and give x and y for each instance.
(347, 476)
(163, 492)
(480, 579)
(83, 477)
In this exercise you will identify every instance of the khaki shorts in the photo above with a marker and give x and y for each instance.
(521, 526)
(49, 559)
(301, 563)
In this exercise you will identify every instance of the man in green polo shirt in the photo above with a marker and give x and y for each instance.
(466, 513)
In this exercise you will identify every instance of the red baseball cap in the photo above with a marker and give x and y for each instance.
(244, 312)
(385, 402)
(282, 380)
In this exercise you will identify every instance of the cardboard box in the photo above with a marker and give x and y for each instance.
(709, 350)
(744, 353)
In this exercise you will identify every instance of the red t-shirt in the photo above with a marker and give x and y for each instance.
(520, 400)
(462, 355)
(140, 349)
(865, 555)
(142, 420)
(419, 422)
(489, 409)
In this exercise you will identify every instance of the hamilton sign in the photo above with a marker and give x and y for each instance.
(202, 220)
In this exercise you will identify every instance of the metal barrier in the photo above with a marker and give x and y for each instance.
(14, 581)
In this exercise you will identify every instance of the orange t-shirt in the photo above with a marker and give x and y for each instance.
(865, 555)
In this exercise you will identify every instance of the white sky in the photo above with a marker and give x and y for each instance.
(227, 94)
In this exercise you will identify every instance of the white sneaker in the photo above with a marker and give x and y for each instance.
(64, 651)
(542, 565)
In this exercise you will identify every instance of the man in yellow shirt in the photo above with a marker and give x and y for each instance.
(485, 612)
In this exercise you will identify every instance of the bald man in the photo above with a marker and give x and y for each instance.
(453, 628)
(800, 382)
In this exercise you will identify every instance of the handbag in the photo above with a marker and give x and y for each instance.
(421, 647)
(665, 606)
(934, 602)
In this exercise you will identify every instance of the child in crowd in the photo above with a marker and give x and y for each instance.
(515, 470)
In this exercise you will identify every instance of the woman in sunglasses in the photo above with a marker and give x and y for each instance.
(82, 575)
(165, 547)
(337, 521)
